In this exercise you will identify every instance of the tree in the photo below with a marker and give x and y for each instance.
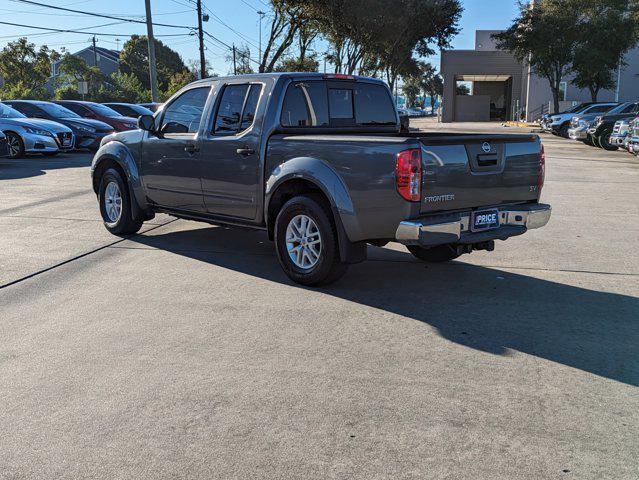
(288, 17)
(607, 31)
(412, 88)
(26, 69)
(134, 60)
(545, 36)
(298, 64)
(73, 69)
(365, 37)
(432, 83)
(178, 80)
(462, 89)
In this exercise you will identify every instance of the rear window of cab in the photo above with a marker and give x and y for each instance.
(323, 104)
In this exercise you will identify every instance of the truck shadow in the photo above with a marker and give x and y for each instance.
(36, 165)
(482, 308)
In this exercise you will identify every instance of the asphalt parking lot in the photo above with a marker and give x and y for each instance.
(184, 351)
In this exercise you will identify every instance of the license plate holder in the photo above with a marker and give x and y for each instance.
(482, 220)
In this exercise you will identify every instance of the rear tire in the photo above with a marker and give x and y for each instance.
(438, 254)
(115, 204)
(306, 242)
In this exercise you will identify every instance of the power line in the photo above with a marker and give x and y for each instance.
(93, 14)
(84, 32)
(239, 34)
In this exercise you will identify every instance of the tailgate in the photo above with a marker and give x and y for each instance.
(466, 171)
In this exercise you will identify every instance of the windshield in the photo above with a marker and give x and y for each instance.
(104, 110)
(7, 112)
(58, 111)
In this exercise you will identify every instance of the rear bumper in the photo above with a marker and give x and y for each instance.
(442, 229)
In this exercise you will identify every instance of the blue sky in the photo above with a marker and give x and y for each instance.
(231, 21)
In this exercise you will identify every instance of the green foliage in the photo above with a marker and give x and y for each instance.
(608, 30)
(25, 69)
(178, 81)
(366, 35)
(293, 64)
(546, 37)
(134, 59)
(122, 87)
(73, 69)
(412, 88)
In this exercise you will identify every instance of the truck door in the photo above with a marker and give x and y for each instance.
(231, 153)
(170, 166)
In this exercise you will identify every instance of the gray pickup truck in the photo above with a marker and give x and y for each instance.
(319, 162)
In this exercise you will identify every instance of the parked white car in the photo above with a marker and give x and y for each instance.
(31, 135)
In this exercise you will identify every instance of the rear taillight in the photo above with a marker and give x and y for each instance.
(542, 168)
(408, 174)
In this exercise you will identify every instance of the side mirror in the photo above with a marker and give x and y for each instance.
(147, 123)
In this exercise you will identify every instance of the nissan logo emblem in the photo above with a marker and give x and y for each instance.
(485, 147)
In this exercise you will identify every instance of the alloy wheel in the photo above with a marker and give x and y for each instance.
(14, 145)
(303, 242)
(113, 201)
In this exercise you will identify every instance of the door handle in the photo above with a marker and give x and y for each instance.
(245, 151)
(191, 148)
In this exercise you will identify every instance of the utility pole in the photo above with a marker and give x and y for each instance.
(95, 54)
(234, 62)
(201, 38)
(151, 41)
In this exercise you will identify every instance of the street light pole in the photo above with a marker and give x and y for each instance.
(151, 42)
(261, 14)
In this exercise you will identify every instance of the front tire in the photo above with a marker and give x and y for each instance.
(563, 131)
(16, 145)
(604, 141)
(438, 254)
(115, 204)
(306, 242)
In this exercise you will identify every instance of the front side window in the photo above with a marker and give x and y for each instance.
(305, 105)
(184, 114)
(57, 111)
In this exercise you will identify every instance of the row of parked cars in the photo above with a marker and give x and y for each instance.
(606, 125)
(48, 128)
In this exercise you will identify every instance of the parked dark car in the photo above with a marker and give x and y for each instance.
(4, 146)
(318, 161)
(153, 106)
(129, 109)
(97, 111)
(602, 126)
(87, 132)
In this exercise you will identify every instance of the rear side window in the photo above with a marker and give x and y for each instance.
(236, 111)
(373, 105)
(321, 104)
(600, 108)
(184, 114)
(305, 105)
